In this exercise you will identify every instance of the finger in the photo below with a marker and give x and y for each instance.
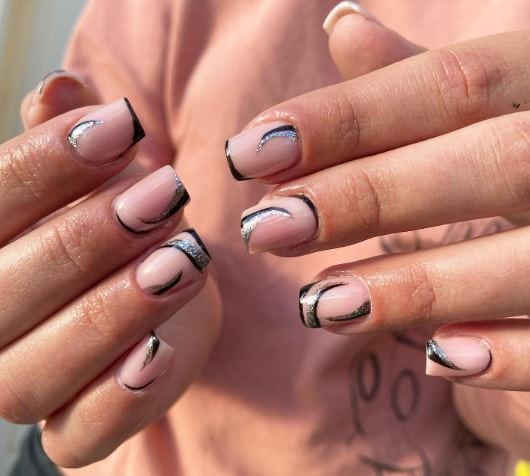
(454, 283)
(191, 333)
(476, 172)
(359, 43)
(48, 267)
(85, 337)
(482, 354)
(61, 160)
(415, 99)
(59, 91)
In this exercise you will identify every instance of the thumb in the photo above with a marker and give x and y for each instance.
(359, 43)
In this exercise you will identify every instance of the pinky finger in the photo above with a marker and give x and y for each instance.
(488, 354)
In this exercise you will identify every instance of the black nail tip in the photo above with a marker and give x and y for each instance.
(301, 295)
(138, 130)
(311, 205)
(198, 239)
(235, 173)
(437, 355)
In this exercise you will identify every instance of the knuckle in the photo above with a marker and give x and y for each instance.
(465, 80)
(341, 110)
(23, 167)
(14, 408)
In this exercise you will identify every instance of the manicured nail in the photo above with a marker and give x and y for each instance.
(175, 264)
(151, 202)
(342, 9)
(279, 223)
(146, 362)
(334, 301)
(106, 133)
(263, 150)
(58, 75)
(456, 356)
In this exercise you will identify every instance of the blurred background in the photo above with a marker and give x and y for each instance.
(33, 36)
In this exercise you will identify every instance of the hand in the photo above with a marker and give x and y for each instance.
(438, 138)
(91, 337)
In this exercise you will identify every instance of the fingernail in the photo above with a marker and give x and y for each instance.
(456, 356)
(106, 133)
(263, 150)
(151, 202)
(57, 75)
(279, 223)
(334, 301)
(342, 9)
(146, 362)
(173, 265)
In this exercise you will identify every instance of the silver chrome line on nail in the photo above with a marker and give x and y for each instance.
(153, 345)
(40, 86)
(361, 311)
(287, 131)
(195, 253)
(437, 355)
(250, 222)
(79, 129)
(179, 199)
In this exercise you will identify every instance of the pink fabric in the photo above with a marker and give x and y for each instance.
(275, 398)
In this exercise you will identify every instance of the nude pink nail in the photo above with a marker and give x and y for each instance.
(334, 301)
(263, 150)
(279, 223)
(342, 9)
(58, 75)
(151, 202)
(107, 133)
(175, 264)
(146, 362)
(456, 356)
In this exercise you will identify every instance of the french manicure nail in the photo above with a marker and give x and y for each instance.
(279, 223)
(342, 9)
(263, 150)
(106, 133)
(58, 75)
(146, 362)
(173, 265)
(151, 202)
(456, 356)
(334, 301)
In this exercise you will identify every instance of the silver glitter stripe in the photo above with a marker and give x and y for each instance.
(288, 132)
(250, 222)
(311, 302)
(79, 129)
(193, 251)
(361, 311)
(179, 199)
(152, 348)
(436, 354)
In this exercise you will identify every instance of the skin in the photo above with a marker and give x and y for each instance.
(71, 407)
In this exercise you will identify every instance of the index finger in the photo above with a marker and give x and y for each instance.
(418, 98)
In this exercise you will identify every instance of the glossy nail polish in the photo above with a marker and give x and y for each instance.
(107, 133)
(456, 356)
(146, 363)
(263, 150)
(151, 202)
(175, 264)
(279, 223)
(342, 9)
(334, 301)
(58, 75)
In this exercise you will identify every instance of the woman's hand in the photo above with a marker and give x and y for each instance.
(90, 337)
(440, 137)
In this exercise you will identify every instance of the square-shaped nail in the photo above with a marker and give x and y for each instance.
(263, 150)
(151, 202)
(334, 301)
(106, 133)
(174, 265)
(279, 223)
